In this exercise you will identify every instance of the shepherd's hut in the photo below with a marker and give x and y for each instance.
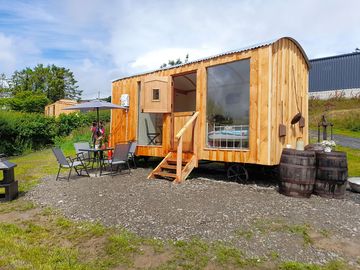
(235, 107)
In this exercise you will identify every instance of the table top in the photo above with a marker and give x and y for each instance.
(96, 149)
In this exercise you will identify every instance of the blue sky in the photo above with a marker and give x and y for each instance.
(104, 40)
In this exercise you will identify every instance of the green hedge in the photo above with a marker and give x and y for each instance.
(32, 131)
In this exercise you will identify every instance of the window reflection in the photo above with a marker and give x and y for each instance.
(228, 91)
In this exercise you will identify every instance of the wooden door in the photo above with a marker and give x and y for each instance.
(157, 95)
(179, 120)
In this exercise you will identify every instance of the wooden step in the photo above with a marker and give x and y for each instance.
(173, 160)
(168, 166)
(165, 174)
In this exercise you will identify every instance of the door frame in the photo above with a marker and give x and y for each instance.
(172, 122)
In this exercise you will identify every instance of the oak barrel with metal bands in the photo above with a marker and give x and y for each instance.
(331, 174)
(297, 173)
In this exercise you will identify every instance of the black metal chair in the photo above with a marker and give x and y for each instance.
(132, 150)
(120, 157)
(69, 163)
(85, 155)
(151, 135)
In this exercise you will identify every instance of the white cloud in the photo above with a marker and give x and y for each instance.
(14, 52)
(94, 77)
(102, 40)
(153, 59)
(7, 54)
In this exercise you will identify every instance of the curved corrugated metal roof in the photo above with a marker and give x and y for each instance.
(252, 47)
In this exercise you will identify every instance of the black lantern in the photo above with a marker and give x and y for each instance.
(8, 181)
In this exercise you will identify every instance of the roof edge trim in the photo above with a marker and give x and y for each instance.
(300, 48)
(252, 47)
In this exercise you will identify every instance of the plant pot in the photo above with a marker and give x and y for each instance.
(327, 149)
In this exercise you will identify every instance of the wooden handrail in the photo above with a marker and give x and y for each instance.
(180, 146)
(188, 123)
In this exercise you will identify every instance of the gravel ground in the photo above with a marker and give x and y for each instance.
(251, 217)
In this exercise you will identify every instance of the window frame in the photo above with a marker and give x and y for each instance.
(154, 93)
(222, 148)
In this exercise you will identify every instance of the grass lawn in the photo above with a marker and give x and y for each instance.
(36, 238)
(343, 113)
(353, 158)
(33, 167)
(347, 132)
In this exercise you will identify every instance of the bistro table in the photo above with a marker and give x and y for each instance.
(98, 155)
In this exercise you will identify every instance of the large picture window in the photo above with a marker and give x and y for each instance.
(227, 106)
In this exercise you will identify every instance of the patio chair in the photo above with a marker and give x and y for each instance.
(132, 150)
(85, 155)
(152, 136)
(69, 163)
(120, 157)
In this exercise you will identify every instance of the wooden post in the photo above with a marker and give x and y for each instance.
(179, 160)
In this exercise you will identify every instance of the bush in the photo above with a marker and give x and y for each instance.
(104, 116)
(69, 122)
(32, 131)
(28, 101)
(22, 131)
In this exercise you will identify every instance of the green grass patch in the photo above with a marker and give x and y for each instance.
(247, 234)
(47, 240)
(347, 132)
(343, 113)
(325, 233)
(266, 226)
(198, 254)
(34, 166)
(274, 255)
(333, 265)
(18, 205)
(66, 144)
(122, 247)
(353, 159)
(228, 255)
(24, 248)
(191, 254)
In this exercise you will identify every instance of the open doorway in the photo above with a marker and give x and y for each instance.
(185, 92)
(184, 101)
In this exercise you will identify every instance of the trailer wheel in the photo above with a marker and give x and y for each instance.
(237, 173)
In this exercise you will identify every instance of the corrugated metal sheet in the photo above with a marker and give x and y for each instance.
(222, 54)
(335, 73)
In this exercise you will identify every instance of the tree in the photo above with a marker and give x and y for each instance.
(4, 86)
(53, 81)
(28, 101)
(108, 99)
(175, 63)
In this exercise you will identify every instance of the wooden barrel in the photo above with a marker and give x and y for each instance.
(331, 174)
(297, 173)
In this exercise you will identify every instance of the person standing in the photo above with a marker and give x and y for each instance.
(93, 133)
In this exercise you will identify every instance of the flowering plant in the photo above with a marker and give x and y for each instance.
(327, 143)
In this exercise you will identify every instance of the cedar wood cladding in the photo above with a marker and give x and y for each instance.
(272, 84)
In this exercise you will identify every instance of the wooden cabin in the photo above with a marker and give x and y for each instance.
(235, 107)
(56, 108)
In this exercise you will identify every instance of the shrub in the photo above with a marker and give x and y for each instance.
(21, 131)
(31, 131)
(69, 122)
(28, 101)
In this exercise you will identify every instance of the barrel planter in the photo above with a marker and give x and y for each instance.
(331, 174)
(297, 173)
